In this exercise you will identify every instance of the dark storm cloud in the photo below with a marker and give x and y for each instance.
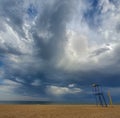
(53, 20)
(35, 69)
(52, 23)
(100, 51)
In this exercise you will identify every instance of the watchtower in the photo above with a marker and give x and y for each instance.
(99, 96)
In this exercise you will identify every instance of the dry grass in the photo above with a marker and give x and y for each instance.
(58, 111)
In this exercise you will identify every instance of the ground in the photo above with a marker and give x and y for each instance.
(59, 111)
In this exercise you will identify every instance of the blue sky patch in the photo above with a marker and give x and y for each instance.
(32, 11)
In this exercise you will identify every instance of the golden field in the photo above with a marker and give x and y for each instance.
(59, 111)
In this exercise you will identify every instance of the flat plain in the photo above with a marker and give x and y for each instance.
(59, 111)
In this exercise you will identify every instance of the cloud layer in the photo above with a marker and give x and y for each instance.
(58, 48)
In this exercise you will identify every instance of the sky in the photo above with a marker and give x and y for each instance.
(54, 50)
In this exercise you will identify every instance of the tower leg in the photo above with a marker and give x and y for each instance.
(100, 100)
(96, 100)
(104, 100)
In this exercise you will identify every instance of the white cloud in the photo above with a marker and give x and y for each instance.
(58, 91)
(19, 80)
(8, 86)
(10, 82)
(71, 85)
(11, 42)
(82, 40)
(106, 6)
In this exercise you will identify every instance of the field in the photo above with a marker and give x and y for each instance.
(58, 111)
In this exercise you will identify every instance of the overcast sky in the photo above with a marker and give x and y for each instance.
(55, 49)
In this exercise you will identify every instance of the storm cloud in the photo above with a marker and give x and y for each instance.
(55, 50)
